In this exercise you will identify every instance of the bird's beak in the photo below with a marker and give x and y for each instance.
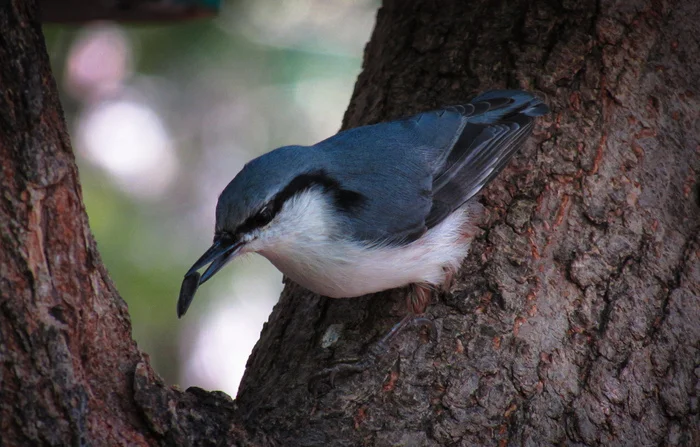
(218, 255)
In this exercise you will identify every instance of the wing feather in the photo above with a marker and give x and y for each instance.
(481, 152)
(415, 172)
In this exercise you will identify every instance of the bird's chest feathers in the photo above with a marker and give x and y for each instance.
(308, 245)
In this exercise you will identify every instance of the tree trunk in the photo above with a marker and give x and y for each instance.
(574, 320)
(70, 374)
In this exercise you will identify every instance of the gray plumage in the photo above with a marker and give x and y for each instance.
(371, 208)
(406, 176)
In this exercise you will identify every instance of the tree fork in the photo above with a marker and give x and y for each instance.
(573, 320)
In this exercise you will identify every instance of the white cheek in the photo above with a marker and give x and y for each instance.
(301, 218)
(261, 239)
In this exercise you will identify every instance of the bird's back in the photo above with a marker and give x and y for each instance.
(414, 172)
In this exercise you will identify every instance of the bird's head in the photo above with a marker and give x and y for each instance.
(275, 198)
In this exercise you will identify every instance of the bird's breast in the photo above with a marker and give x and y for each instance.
(341, 268)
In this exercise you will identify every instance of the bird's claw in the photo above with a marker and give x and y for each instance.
(374, 354)
(346, 368)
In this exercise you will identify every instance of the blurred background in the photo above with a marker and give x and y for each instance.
(161, 117)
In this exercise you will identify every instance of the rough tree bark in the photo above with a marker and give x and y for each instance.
(70, 373)
(575, 319)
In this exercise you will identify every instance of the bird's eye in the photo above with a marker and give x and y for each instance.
(264, 216)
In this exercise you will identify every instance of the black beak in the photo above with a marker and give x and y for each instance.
(218, 255)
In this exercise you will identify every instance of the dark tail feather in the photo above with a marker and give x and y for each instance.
(520, 102)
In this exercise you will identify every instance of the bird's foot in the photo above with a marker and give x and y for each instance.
(375, 353)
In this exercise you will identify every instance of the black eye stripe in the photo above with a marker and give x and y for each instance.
(264, 216)
(266, 213)
(258, 220)
(345, 200)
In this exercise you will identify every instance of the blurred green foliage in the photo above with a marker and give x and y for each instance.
(147, 243)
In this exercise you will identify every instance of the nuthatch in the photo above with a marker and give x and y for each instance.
(371, 208)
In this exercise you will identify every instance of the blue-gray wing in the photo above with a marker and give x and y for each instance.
(497, 125)
(415, 172)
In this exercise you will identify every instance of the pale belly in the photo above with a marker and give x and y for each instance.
(344, 269)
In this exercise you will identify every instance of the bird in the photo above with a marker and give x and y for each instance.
(371, 208)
